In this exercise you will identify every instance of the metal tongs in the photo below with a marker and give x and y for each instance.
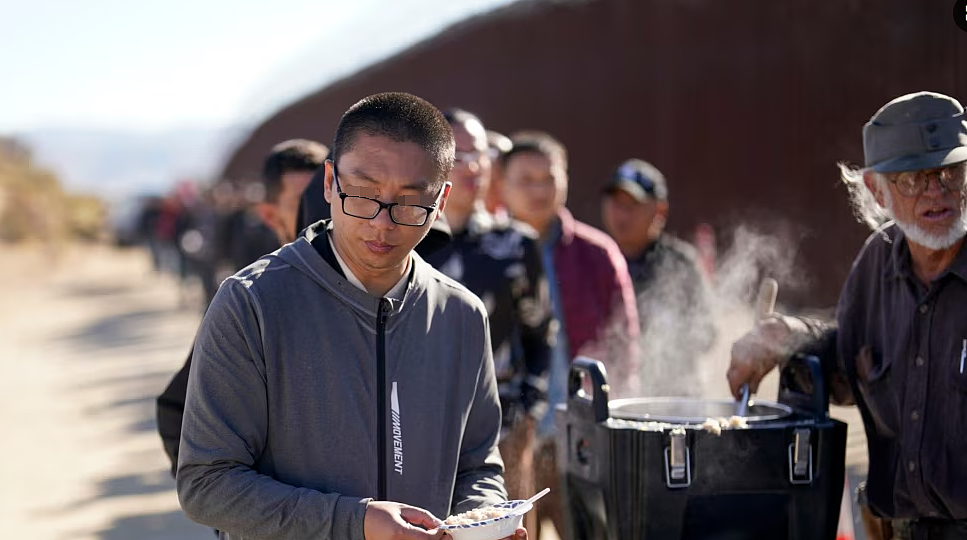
(764, 305)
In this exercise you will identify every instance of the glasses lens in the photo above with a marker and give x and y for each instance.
(953, 178)
(908, 183)
(360, 207)
(466, 157)
(409, 215)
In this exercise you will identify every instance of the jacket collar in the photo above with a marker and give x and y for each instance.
(321, 266)
(567, 226)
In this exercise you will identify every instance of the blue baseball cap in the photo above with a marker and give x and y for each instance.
(640, 179)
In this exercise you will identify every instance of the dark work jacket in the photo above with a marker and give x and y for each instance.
(500, 261)
(902, 347)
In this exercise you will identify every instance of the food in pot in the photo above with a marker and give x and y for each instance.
(639, 425)
(479, 514)
(716, 425)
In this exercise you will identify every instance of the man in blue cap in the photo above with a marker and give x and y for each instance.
(672, 296)
(898, 347)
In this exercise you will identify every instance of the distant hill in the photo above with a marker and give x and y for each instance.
(114, 164)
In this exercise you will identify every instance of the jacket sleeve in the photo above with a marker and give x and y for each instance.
(480, 469)
(534, 312)
(822, 340)
(170, 409)
(224, 435)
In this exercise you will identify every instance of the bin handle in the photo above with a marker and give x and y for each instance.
(581, 367)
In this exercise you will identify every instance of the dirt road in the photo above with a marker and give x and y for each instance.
(85, 346)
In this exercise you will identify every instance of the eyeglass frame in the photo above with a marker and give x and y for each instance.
(940, 172)
(474, 156)
(387, 206)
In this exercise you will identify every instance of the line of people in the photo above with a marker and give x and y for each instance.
(395, 363)
(551, 287)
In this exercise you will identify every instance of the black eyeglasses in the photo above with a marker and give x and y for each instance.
(913, 183)
(411, 215)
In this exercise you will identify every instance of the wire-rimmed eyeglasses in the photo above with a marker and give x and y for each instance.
(913, 183)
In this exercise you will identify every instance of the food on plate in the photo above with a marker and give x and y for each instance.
(716, 425)
(478, 514)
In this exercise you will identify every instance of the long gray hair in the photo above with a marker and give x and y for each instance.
(865, 207)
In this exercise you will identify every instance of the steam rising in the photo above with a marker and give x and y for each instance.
(679, 358)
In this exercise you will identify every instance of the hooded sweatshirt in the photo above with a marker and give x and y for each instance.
(308, 397)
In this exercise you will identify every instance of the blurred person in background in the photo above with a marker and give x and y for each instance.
(286, 174)
(674, 304)
(256, 230)
(591, 292)
(703, 238)
(499, 260)
(498, 145)
(271, 215)
(227, 201)
(898, 347)
(165, 229)
(248, 236)
(196, 233)
(303, 357)
(147, 225)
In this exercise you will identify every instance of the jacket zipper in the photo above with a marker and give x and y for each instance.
(384, 308)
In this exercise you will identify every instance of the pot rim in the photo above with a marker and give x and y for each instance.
(615, 405)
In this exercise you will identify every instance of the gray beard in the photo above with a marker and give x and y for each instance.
(917, 235)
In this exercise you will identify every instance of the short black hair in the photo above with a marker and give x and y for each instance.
(455, 115)
(400, 117)
(295, 155)
(537, 142)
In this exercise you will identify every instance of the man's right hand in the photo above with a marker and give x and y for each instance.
(759, 351)
(394, 521)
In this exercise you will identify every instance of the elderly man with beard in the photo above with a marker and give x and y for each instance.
(898, 347)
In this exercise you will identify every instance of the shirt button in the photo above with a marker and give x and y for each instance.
(912, 466)
(914, 415)
(919, 361)
(924, 309)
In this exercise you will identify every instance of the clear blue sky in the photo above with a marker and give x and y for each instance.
(155, 65)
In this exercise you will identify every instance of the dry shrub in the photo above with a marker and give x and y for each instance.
(34, 205)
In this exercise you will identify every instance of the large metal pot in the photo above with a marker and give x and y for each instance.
(691, 411)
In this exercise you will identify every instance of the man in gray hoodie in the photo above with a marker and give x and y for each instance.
(341, 388)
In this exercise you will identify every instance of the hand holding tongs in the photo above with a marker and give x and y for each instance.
(764, 305)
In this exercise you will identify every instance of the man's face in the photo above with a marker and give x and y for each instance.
(535, 188)
(471, 169)
(632, 223)
(935, 218)
(379, 168)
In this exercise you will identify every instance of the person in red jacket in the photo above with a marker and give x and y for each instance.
(590, 288)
